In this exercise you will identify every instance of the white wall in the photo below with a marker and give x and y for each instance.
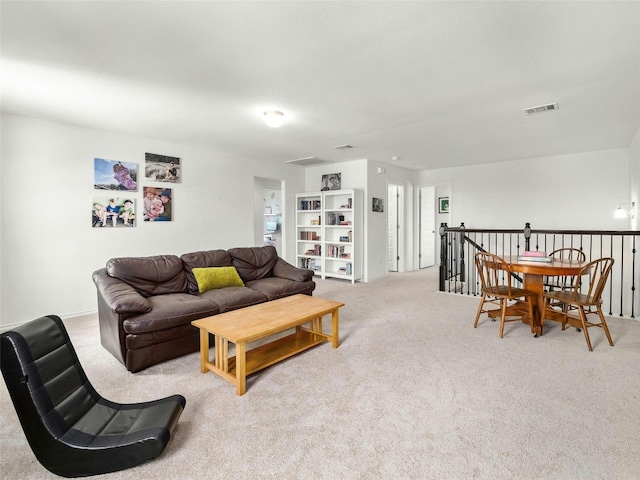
(49, 249)
(576, 191)
(634, 179)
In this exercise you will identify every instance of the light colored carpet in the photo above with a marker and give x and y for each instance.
(413, 392)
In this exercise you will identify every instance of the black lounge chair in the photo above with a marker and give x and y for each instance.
(72, 430)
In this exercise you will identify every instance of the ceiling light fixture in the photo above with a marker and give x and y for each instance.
(622, 213)
(274, 118)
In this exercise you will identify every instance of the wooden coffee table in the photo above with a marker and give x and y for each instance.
(260, 321)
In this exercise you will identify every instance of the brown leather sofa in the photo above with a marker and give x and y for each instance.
(146, 304)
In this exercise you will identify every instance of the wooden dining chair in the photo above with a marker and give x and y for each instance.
(563, 282)
(585, 298)
(497, 289)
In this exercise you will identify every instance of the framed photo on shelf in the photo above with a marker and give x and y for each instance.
(443, 204)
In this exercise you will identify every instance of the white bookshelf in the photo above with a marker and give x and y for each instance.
(329, 233)
(309, 231)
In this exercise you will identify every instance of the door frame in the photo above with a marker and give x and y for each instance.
(400, 231)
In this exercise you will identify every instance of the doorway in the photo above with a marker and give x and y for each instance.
(426, 226)
(395, 227)
(268, 216)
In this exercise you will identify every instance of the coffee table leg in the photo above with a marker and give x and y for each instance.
(334, 329)
(204, 350)
(241, 368)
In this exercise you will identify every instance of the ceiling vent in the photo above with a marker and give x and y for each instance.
(541, 108)
(346, 146)
(306, 161)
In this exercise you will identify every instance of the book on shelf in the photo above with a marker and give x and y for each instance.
(525, 258)
(309, 204)
(334, 218)
(335, 251)
(310, 264)
(316, 250)
(309, 235)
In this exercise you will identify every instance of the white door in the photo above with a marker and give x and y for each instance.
(394, 226)
(392, 229)
(427, 226)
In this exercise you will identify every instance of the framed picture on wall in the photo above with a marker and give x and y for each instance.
(443, 204)
(114, 212)
(378, 205)
(331, 181)
(162, 168)
(157, 204)
(114, 175)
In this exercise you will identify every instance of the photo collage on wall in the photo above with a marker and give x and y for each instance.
(115, 206)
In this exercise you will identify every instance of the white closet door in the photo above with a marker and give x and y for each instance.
(427, 227)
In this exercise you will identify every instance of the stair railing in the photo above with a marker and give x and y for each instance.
(460, 243)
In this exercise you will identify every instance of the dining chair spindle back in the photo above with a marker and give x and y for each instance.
(586, 298)
(497, 289)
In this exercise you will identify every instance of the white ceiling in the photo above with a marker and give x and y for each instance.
(435, 83)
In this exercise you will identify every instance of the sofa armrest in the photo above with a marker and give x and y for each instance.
(284, 269)
(120, 297)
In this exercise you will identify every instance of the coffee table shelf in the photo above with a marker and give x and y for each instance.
(273, 352)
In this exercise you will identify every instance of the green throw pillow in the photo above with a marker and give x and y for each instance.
(216, 277)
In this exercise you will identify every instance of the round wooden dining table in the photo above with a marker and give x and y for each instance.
(534, 273)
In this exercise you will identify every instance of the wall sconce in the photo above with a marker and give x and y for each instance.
(622, 213)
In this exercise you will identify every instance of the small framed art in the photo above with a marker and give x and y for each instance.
(443, 204)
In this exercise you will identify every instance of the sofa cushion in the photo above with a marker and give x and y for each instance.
(254, 263)
(150, 276)
(169, 311)
(274, 287)
(211, 278)
(232, 298)
(203, 259)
